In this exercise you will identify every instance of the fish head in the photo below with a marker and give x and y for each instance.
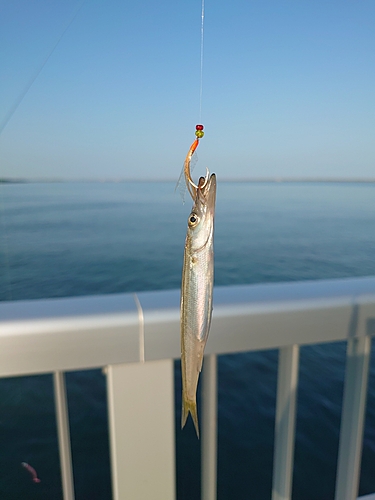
(201, 218)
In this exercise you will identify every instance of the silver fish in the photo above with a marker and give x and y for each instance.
(196, 288)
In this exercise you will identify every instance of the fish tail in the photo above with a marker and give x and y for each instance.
(189, 407)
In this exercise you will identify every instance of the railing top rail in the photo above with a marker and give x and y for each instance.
(83, 332)
(260, 293)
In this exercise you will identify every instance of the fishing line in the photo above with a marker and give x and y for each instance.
(192, 157)
(201, 79)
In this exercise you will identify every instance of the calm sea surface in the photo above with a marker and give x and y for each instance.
(70, 239)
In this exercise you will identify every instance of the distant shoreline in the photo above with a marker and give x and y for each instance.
(275, 180)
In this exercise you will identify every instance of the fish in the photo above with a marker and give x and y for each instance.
(196, 286)
(34, 475)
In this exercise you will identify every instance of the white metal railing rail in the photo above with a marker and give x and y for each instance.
(136, 337)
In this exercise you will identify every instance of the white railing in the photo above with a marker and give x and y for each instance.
(136, 337)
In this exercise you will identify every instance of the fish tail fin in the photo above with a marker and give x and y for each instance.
(189, 407)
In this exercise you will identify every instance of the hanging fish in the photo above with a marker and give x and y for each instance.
(34, 475)
(197, 282)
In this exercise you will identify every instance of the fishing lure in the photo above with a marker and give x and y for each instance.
(197, 282)
(34, 475)
(187, 163)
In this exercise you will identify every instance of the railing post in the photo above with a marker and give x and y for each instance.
(285, 422)
(141, 425)
(352, 420)
(209, 428)
(62, 420)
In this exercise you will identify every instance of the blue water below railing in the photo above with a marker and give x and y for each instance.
(83, 239)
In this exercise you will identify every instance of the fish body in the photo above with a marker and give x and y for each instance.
(197, 289)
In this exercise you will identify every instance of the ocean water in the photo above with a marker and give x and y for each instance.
(69, 239)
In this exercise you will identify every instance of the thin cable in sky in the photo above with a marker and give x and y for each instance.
(3, 124)
(201, 79)
(20, 98)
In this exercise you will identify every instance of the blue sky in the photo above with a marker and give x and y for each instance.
(288, 88)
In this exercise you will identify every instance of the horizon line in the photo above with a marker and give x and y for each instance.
(14, 180)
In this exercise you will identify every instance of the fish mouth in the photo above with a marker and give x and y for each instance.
(204, 206)
(206, 192)
(204, 184)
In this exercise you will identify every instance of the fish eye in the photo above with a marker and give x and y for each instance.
(193, 219)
